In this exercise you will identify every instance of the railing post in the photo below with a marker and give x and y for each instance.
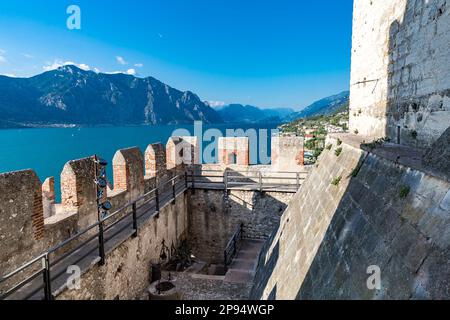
(135, 222)
(225, 180)
(157, 202)
(174, 194)
(47, 278)
(260, 182)
(193, 181)
(186, 180)
(101, 243)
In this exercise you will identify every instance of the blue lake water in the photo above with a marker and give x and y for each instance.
(47, 150)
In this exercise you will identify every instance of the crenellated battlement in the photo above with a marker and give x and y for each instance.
(182, 151)
(31, 219)
(234, 150)
(155, 160)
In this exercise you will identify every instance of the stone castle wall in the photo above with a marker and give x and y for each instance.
(33, 222)
(126, 273)
(400, 74)
(356, 210)
(214, 218)
(288, 153)
(234, 151)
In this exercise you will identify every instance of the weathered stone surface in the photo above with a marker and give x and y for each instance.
(182, 150)
(79, 191)
(128, 169)
(287, 153)
(214, 218)
(234, 150)
(356, 225)
(155, 160)
(21, 218)
(48, 197)
(404, 91)
(126, 272)
(437, 157)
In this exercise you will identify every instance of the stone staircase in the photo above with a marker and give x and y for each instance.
(243, 266)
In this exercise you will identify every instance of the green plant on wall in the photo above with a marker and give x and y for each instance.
(339, 142)
(356, 131)
(329, 146)
(317, 153)
(376, 143)
(336, 181)
(404, 191)
(338, 152)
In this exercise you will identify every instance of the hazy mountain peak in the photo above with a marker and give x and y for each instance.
(324, 106)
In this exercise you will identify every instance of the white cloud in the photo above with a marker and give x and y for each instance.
(27, 55)
(83, 66)
(121, 60)
(139, 65)
(2, 51)
(59, 63)
(2, 59)
(11, 75)
(216, 104)
(131, 72)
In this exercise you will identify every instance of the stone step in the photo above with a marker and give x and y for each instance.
(243, 266)
(239, 276)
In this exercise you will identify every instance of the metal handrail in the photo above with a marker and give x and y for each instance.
(45, 270)
(45, 257)
(233, 244)
(26, 265)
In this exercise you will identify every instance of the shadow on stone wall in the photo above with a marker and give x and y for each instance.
(215, 216)
(391, 216)
(379, 214)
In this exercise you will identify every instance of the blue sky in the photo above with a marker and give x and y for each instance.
(284, 53)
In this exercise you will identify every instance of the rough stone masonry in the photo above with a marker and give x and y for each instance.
(32, 221)
(400, 74)
(361, 208)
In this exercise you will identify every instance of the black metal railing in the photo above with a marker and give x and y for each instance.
(93, 240)
(97, 236)
(233, 246)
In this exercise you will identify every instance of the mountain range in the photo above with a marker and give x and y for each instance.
(325, 106)
(251, 114)
(70, 96)
(234, 113)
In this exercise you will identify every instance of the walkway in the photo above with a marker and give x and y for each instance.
(243, 266)
(88, 254)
